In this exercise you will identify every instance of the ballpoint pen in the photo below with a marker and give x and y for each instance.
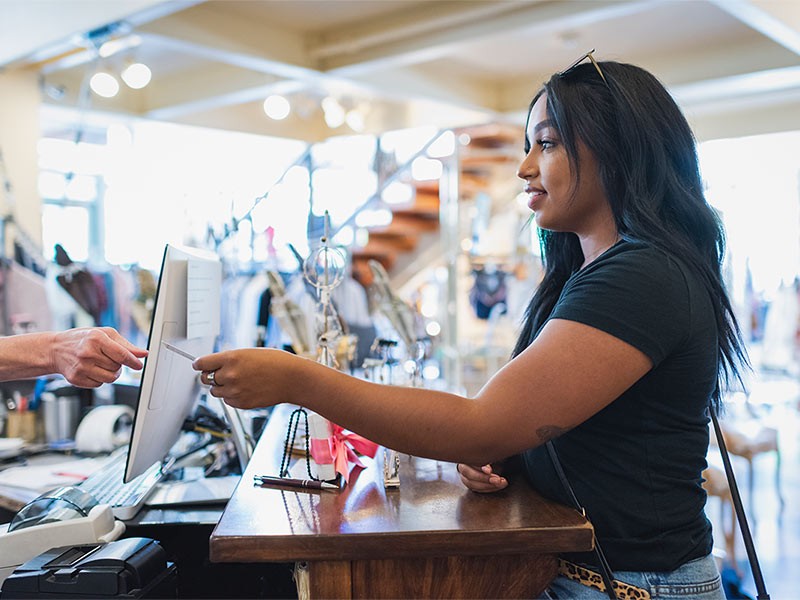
(178, 351)
(309, 484)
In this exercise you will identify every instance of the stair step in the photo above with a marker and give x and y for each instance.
(427, 188)
(415, 220)
(402, 239)
(493, 150)
(360, 264)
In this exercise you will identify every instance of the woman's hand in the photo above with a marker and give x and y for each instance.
(250, 377)
(481, 479)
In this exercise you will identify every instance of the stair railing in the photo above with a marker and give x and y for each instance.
(302, 160)
(391, 178)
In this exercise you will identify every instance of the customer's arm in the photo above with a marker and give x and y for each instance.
(85, 357)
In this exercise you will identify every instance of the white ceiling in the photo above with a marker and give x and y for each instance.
(734, 65)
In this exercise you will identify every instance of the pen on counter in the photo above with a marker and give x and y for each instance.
(80, 476)
(178, 351)
(308, 484)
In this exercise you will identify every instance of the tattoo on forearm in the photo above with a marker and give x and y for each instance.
(549, 432)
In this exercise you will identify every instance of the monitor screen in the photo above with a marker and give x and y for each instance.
(185, 324)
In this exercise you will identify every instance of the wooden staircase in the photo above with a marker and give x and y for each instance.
(493, 151)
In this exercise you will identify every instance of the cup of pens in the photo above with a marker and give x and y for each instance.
(21, 424)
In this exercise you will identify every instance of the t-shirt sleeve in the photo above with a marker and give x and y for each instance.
(639, 296)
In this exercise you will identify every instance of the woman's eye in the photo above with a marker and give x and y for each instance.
(545, 144)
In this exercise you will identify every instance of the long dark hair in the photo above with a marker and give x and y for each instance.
(648, 164)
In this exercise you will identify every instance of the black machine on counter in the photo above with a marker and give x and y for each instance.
(128, 568)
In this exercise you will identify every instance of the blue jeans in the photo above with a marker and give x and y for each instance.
(697, 579)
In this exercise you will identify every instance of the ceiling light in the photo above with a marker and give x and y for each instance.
(104, 84)
(334, 113)
(355, 120)
(136, 75)
(277, 107)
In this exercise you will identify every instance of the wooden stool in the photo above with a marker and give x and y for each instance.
(748, 440)
(716, 484)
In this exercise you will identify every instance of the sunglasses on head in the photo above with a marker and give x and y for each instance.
(590, 56)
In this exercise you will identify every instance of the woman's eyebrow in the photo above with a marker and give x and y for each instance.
(542, 125)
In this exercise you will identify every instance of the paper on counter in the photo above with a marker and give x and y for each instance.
(43, 477)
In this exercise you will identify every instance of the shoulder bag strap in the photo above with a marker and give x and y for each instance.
(605, 570)
(758, 577)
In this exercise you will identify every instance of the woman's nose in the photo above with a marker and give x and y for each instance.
(526, 168)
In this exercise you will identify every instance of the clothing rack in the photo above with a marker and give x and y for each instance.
(20, 239)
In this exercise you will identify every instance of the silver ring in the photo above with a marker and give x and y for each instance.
(210, 377)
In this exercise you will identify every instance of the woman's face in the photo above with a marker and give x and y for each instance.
(550, 181)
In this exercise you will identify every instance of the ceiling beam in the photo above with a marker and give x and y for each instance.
(43, 30)
(749, 85)
(407, 45)
(202, 32)
(208, 31)
(403, 24)
(779, 20)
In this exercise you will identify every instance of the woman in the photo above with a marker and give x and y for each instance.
(627, 343)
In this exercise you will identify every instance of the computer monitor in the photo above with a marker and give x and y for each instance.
(185, 324)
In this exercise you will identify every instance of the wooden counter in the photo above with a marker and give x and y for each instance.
(431, 538)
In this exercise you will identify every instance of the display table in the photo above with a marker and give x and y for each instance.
(431, 538)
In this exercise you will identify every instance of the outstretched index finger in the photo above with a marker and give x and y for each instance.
(119, 353)
(120, 339)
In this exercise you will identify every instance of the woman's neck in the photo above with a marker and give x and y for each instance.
(594, 246)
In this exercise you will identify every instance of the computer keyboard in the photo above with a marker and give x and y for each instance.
(126, 499)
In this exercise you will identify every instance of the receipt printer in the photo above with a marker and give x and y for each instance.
(127, 568)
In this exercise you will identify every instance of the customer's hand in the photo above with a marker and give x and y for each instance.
(92, 356)
(481, 479)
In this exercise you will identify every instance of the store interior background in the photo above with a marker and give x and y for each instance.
(405, 125)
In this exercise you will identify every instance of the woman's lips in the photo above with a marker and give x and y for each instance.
(534, 196)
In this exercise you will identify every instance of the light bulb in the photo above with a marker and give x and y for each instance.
(334, 113)
(136, 75)
(104, 84)
(355, 120)
(277, 107)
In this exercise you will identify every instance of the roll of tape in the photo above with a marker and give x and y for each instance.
(104, 429)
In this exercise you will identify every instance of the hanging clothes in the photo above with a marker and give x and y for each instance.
(80, 284)
(352, 304)
(144, 301)
(488, 289)
(24, 293)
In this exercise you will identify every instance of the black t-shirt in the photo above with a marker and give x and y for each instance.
(636, 465)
